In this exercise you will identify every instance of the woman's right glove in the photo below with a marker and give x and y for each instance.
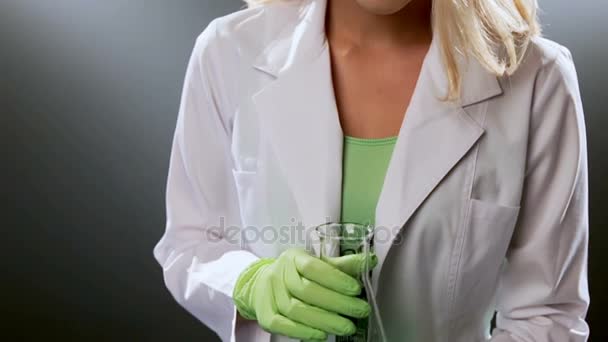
(301, 296)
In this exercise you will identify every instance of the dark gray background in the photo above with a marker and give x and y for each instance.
(89, 92)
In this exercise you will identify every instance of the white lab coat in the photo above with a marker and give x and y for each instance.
(484, 207)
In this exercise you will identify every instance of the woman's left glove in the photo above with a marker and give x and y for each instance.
(302, 297)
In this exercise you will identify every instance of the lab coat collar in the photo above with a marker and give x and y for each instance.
(304, 41)
(295, 44)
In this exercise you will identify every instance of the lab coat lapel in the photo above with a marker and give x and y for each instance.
(299, 116)
(434, 136)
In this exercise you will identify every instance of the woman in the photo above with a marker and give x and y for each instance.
(452, 126)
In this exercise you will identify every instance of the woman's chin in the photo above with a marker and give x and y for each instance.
(383, 7)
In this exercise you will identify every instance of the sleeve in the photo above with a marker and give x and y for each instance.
(543, 291)
(200, 250)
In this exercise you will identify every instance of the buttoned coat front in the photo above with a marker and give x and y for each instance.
(483, 209)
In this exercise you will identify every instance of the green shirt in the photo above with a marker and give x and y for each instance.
(364, 166)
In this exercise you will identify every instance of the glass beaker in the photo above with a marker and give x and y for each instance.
(344, 238)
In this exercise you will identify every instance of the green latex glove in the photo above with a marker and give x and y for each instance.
(301, 296)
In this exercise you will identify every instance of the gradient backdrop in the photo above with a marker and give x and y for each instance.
(89, 92)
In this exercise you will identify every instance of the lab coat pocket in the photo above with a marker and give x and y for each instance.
(486, 234)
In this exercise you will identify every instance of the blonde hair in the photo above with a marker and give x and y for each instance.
(495, 32)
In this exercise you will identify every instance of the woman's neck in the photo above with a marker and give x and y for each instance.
(348, 23)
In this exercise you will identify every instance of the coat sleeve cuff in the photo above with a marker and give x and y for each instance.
(221, 274)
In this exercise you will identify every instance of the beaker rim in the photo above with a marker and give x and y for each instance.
(369, 230)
